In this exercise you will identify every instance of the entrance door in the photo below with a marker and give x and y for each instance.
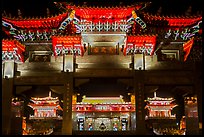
(103, 124)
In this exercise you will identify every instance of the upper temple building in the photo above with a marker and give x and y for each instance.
(104, 51)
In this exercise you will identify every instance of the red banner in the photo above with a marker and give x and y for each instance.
(187, 47)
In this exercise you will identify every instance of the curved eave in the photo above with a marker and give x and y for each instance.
(69, 6)
(169, 105)
(12, 43)
(143, 35)
(44, 99)
(160, 99)
(175, 21)
(141, 38)
(184, 22)
(116, 12)
(37, 23)
(44, 105)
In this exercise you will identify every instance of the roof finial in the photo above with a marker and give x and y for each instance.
(48, 12)
(159, 11)
(4, 13)
(85, 4)
(9, 15)
(155, 94)
(188, 11)
(50, 94)
(19, 13)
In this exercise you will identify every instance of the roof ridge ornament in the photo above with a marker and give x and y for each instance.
(50, 94)
(19, 14)
(155, 94)
(48, 12)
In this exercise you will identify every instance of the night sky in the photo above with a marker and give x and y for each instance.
(36, 8)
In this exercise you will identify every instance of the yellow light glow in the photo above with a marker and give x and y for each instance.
(134, 15)
(103, 100)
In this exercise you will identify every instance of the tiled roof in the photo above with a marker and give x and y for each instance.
(103, 100)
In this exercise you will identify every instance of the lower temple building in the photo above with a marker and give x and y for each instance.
(45, 107)
(103, 114)
(160, 112)
(160, 107)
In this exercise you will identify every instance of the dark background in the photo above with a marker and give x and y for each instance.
(37, 8)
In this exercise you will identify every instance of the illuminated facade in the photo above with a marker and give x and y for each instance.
(92, 114)
(80, 24)
(160, 107)
(88, 42)
(45, 107)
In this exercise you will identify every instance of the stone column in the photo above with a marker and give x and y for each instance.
(9, 69)
(69, 63)
(74, 63)
(133, 61)
(128, 125)
(138, 61)
(143, 60)
(7, 89)
(89, 49)
(117, 49)
(139, 102)
(67, 105)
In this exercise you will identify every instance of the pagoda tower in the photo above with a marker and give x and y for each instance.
(45, 107)
(160, 107)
